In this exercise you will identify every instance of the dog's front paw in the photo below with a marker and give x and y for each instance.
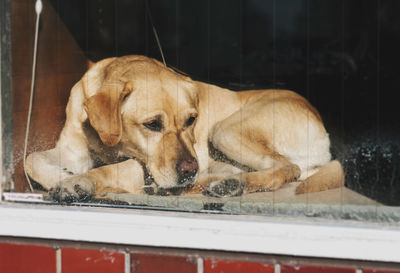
(225, 188)
(73, 189)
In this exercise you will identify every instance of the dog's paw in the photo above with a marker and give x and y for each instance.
(74, 189)
(225, 188)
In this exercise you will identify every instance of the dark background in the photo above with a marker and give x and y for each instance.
(342, 55)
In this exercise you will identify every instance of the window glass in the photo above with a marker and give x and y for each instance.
(143, 103)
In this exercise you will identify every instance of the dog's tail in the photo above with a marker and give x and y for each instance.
(329, 176)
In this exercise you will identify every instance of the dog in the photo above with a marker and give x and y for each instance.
(134, 125)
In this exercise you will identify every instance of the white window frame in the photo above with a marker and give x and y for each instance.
(254, 234)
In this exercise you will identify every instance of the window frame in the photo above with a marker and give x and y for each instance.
(6, 147)
(308, 237)
(318, 238)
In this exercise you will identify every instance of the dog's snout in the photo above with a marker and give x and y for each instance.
(187, 169)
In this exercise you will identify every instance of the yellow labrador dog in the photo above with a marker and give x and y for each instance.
(135, 126)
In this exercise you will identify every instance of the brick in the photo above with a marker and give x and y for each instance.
(380, 271)
(27, 258)
(224, 266)
(91, 261)
(315, 269)
(150, 263)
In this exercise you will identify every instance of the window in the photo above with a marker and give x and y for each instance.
(341, 57)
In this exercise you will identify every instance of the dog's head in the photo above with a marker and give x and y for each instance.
(150, 111)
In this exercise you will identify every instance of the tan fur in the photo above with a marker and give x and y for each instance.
(267, 137)
(328, 177)
(90, 64)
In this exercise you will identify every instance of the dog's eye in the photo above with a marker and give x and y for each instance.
(154, 125)
(190, 121)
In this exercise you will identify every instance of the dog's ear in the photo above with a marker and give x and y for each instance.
(104, 111)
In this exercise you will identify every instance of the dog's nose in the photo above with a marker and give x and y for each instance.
(187, 169)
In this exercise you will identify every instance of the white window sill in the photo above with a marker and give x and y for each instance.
(255, 234)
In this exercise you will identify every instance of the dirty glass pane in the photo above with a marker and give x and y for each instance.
(143, 104)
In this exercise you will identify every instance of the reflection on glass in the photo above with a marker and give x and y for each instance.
(135, 132)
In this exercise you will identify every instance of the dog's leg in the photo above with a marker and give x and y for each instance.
(69, 158)
(250, 139)
(329, 176)
(122, 177)
(216, 171)
(71, 155)
(272, 170)
(202, 184)
(263, 180)
(50, 167)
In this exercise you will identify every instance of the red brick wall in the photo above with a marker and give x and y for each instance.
(28, 256)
